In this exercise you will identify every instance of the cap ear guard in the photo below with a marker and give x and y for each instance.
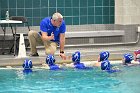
(50, 60)
(76, 57)
(27, 64)
(105, 65)
(104, 55)
(128, 58)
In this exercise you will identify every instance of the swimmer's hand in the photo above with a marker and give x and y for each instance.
(45, 66)
(115, 68)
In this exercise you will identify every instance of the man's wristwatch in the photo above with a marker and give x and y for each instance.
(62, 52)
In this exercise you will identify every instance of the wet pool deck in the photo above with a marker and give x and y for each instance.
(87, 54)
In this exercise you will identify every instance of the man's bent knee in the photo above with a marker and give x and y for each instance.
(31, 33)
(50, 51)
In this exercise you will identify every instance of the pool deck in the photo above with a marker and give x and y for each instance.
(87, 54)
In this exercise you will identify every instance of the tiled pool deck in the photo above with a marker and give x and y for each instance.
(87, 54)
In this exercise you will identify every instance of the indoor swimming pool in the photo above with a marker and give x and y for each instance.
(70, 81)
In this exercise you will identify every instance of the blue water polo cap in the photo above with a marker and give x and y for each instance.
(128, 58)
(105, 65)
(76, 57)
(27, 64)
(104, 55)
(50, 60)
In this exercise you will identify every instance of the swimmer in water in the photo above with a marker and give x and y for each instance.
(50, 63)
(27, 65)
(102, 56)
(128, 60)
(76, 62)
(104, 63)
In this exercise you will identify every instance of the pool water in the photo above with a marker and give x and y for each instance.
(71, 81)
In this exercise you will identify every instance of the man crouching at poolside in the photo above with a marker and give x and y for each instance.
(52, 34)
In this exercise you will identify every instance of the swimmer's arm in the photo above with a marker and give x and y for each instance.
(97, 64)
(135, 62)
(89, 64)
(10, 67)
(45, 66)
(115, 68)
(132, 64)
(62, 65)
(68, 65)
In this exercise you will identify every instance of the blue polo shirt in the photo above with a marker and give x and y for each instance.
(46, 26)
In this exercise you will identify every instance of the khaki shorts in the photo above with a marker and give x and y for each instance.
(35, 40)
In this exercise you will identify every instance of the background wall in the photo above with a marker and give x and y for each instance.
(75, 12)
(0, 8)
(127, 12)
